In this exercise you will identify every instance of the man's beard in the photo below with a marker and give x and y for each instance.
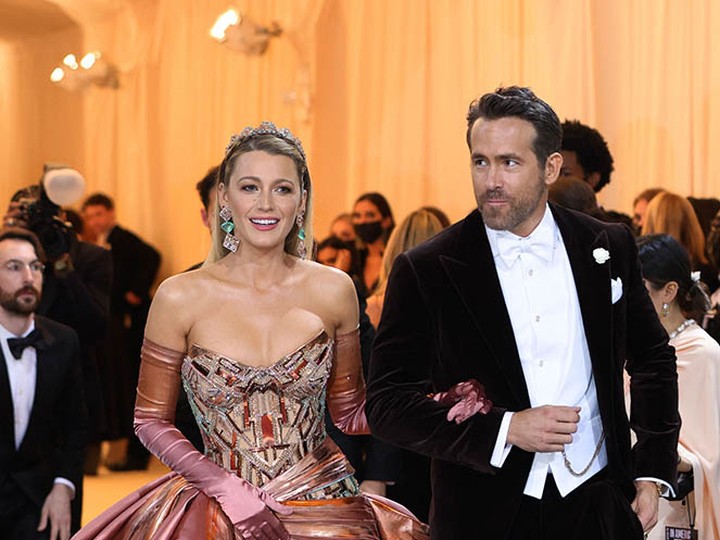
(12, 303)
(518, 210)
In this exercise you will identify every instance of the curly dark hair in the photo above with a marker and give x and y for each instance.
(591, 150)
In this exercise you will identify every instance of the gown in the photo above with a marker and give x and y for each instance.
(265, 424)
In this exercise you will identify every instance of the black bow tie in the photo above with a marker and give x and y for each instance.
(17, 345)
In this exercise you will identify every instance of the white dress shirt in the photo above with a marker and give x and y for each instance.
(542, 301)
(22, 376)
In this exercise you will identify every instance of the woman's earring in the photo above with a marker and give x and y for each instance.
(665, 310)
(231, 242)
(301, 249)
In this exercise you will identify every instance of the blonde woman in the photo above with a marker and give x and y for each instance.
(262, 340)
(419, 226)
(668, 213)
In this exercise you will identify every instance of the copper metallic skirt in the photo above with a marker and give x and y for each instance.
(171, 509)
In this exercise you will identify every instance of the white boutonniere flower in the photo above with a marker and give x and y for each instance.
(601, 255)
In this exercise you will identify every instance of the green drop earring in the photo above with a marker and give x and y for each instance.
(301, 249)
(231, 242)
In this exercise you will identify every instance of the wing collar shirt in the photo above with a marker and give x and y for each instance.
(22, 375)
(541, 299)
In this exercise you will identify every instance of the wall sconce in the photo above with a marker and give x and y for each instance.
(239, 33)
(92, 69)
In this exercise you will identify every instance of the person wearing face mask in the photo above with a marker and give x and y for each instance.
(373, 222)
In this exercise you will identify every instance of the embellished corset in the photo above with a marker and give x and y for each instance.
(259, 421)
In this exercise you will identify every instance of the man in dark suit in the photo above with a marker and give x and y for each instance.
(42, 410)
(537, 310)
(135, 267)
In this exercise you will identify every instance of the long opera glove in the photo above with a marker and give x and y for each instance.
(247, 507)
(466, 399)
(346, 388)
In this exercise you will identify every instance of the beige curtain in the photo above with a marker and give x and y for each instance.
(378, 91)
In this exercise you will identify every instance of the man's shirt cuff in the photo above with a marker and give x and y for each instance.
(502, 449)
(65, 481)
(666, 489)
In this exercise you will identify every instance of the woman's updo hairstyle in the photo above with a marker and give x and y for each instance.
(663, 260)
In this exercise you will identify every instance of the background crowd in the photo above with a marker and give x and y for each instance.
(99, 281)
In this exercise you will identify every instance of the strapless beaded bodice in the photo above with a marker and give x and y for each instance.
(259, 421)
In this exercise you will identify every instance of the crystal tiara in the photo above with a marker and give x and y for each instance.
(265, 128)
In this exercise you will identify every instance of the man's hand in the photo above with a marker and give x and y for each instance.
(645, 504)
(543, 429)
(57, 509)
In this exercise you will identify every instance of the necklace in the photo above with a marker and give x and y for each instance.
(683, 326)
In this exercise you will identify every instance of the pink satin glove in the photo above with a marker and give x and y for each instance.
(346, 387)
(467, 399)
(249, 508)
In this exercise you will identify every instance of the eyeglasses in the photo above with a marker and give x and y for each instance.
(15, 266)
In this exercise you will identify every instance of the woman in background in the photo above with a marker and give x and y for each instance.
(680, 301)
(417, 227)
(668, 213)
(412, 487)
(373, 222)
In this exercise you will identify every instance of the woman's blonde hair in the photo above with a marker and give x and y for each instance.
(277, 142)
(419, 226)
(668, 213)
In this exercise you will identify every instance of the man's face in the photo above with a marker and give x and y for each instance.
(20, 277)
(510, 187)
(571, 168)
(98, 219)
(639, 213)
(207, 213)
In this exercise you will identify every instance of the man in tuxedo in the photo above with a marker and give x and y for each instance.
(135, 267)
(42, 410)
(501, 349)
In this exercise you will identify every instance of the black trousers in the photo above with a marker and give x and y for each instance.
(595, 510)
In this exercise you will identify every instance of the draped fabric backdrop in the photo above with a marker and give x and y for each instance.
(377, 90)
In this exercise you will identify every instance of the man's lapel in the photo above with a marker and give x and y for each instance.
(44, 376)
(472, 272)
(7, 415)
(592, 281)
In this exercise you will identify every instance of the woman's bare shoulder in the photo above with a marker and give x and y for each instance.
(336, 293)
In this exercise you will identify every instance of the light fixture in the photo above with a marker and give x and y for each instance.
(92, 69)
(239, 33)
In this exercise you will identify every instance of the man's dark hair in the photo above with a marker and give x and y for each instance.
(18, 233)
(592, 152)
(520, 102)
(206, 185)
(99, 199)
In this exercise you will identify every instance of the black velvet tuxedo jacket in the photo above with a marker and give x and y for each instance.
(54, 443)
(445, 321)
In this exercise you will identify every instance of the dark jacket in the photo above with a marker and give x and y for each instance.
(445, 321)
(54, 443)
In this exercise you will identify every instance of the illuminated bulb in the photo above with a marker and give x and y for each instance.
(229, 18)
(89, 59)
(70, 61)
(57, 75)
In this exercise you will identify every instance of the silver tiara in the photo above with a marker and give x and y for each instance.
(265, 128)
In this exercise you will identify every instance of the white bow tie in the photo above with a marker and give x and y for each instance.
(540, 243)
